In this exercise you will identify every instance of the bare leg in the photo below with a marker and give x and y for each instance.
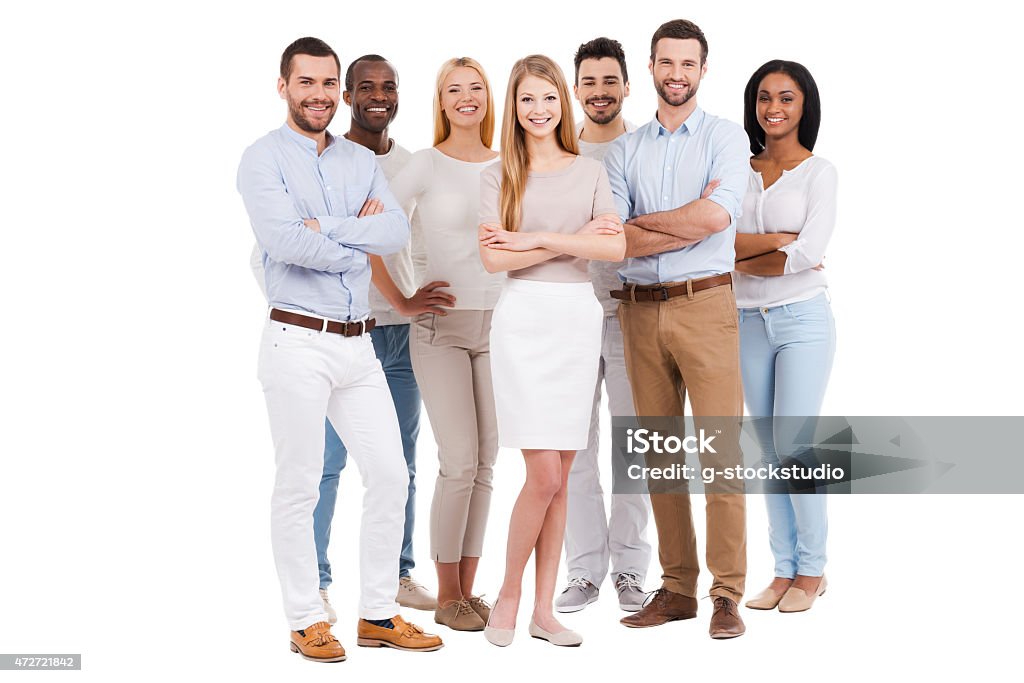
(808, 584)
(549, 550)
(544, 478)
(449, 585)
(467, 574)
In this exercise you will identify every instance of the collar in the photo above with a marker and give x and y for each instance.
(302, 140)
(691, 125)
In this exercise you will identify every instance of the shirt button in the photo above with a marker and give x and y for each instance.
(668, 168)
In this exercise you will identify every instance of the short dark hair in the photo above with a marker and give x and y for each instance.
(810, 119)
(306, 46)
(681, 29)
(599, 48)
(350, 71)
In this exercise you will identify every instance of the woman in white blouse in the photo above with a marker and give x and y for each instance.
(450, 348)
(787, 333)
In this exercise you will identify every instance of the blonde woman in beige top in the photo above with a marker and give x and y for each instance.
(449, 342)
(544, 213)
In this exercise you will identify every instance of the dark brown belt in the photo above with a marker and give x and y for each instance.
(349, 329)
(661, 293)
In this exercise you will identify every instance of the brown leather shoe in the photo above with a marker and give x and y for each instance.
(317, 644)
(663, 607)
(726, 621)
(404, 636)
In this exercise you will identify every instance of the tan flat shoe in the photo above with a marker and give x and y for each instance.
(796, 600)
(766, 599)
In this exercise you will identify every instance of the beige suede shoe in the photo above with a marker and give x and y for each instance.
(459, 615)
(796, 600)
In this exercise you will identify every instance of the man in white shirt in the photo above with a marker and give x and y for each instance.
(592, 538)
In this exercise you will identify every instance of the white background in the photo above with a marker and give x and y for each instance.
(136, 458)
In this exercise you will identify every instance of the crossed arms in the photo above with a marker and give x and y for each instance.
(331, 244)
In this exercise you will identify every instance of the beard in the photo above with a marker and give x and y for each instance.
(298, 112)
(603, 116)
(673, 98)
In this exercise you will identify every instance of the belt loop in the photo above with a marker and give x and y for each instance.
(632, 292)
(689, 290)
(323, 327)
(363, 323)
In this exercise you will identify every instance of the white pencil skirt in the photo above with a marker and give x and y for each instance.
(545, 351)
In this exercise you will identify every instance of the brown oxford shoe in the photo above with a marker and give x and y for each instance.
(726, 621)
(317, 644)
(663, 607)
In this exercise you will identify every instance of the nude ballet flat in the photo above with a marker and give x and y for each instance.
(796, 600)
(564, 638)
(766, 599)
(502, 637)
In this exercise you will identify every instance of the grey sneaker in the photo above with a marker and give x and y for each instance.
(577, 595)
(631, 592)
(412, 594)
(332, 616)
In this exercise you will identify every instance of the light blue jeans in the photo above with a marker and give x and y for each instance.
(786, 357)
(391, 344)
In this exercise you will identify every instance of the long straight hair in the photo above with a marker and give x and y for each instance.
(442, 126)
(514, 160)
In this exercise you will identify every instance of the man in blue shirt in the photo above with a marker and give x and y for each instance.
(678, 312)
(319, 205)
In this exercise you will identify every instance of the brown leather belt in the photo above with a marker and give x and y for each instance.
(661, 293)
(348, 329)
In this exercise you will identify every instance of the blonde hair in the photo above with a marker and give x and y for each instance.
(442, 126)
(514, 161)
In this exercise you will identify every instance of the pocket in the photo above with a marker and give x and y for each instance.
(280, 335)
(812, 312)
(425, 328)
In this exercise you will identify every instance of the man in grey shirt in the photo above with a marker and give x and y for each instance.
(592, 538)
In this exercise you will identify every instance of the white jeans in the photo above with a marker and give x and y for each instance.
(591, 538)
(308, 375)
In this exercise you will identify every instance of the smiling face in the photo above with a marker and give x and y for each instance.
(464, 97)
(311, 92)
(677, 69)
(600, 89)
(374, 95)
(538, 107)
(780, 105)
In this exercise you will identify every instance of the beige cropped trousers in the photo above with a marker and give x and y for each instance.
(451, 358)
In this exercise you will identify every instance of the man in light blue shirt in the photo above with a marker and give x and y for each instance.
(677, 309)
(318, 206)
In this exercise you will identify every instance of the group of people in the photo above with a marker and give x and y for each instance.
(681, 258)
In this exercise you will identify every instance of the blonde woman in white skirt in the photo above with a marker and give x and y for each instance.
(545, 212)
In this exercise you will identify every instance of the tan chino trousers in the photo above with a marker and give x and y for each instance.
(690, 343)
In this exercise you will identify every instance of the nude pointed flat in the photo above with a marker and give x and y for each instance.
(796, 600)
(766, 599)
(502, 637)
(566, 638)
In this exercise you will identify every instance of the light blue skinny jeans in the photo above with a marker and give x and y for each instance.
(786, 357)
(391, 343)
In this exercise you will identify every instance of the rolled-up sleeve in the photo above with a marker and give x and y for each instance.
(276, 222)
(615, 166)
(731, 166)
(385, 233)
(808, 250)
